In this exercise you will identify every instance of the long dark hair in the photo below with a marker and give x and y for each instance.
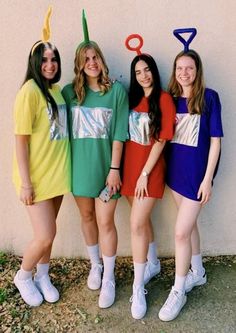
(35, 61)
(136, 93)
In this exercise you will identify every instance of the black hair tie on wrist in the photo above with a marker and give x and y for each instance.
(114, 168)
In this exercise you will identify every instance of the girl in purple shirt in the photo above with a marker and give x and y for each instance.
(192, 159)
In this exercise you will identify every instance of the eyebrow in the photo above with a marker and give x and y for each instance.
(138, 70)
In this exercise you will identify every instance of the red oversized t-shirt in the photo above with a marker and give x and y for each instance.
(136, 154)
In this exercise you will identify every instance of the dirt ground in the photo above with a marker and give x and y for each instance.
(210, 308)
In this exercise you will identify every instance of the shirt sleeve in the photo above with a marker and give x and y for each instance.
(121, 115)
(168, 111)
(67, 93)
(215, 124)
(25, 108)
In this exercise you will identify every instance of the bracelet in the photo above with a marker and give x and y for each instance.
(114, 168)
(26, 187)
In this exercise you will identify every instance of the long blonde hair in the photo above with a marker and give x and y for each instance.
(195, 102)
(79, 81)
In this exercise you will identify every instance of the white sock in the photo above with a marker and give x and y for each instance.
(139, 269)
(24, 275)
(180, 283)
(93, 252)
(109, 266)
(152, 253)
(196, 264)
(42, 269)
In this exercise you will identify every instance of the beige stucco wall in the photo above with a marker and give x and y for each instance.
(110, 21)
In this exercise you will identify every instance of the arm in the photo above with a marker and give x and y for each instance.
(142, 182)
(205, 188)
(113, 179)
(22, 154)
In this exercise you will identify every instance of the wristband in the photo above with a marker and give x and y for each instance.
(26, 187)
(114, 168)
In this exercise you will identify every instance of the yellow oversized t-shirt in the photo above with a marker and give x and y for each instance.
(49, 148)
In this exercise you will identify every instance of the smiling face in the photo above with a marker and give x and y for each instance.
(92, 67)
(144, 76)
(185, 72)
(49, 65)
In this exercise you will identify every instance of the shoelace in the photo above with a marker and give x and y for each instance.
(148, 270)
(46, 282)
(107, 286)
(171, 299)
(29, 287)
(192, 276)
(139, 292)
(96, 269)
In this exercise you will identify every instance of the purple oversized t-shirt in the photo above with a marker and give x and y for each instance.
(187, 153)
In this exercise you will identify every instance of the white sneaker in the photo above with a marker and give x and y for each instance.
(95, 277)
(107, 294)
(151, 270)
(193, 280)
(28, 291)
(173, 305)
(47, 289)
(138, 300)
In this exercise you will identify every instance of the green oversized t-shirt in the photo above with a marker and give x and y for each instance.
(94, 125)
(49, 148)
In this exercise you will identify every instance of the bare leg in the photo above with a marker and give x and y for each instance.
(195, 238)
(140, 227)
(149, 225)
(108, 243)
(43, 219)
(186, 220)
(57, 204)
(107, 229)
(150, 231)
(88, 219)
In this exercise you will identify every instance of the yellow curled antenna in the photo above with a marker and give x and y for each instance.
(46, 32)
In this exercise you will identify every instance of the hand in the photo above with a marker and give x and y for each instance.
(27, 195)
(204, 191)
(141, 187)
(113, 181)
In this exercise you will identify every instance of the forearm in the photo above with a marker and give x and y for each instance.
(117, 148)
(154, 155)
(213, 157)
(22, 156)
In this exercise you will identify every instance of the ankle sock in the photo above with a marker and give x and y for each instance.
(24, 275)
(93, 252)
(109, 266)
(180, 283)
(139, 269)
(196, 264)
(152, 253)
(42, 269)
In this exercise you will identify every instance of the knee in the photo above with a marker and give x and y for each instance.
(88, 216)
(137, 227)
(46, 242)
(106, 225)
(182, 236)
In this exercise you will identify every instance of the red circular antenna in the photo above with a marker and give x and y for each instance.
(134, 48)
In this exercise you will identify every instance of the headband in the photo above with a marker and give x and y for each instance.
(46, 32)
(186, 43)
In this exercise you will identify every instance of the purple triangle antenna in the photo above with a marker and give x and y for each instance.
(186, 43)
